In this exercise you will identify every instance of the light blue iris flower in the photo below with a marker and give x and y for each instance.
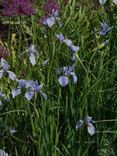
(88, 122)
(105, 29)
(52, 19)
(66, 73)
(31, 88)
(5, 69)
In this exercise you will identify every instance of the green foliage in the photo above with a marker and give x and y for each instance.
(47, 127)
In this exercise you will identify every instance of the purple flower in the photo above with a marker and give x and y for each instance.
(17, 8)
(51, 7)
(5, 69)
(105, 29)
(31, 88)
(88, 122)
(34, 88)
(66, 73)
(17, 91)
(51, 14)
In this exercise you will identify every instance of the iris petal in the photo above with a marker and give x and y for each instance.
(16, 92)
(29, 95)
(63, 80)
(12, 75)
(91, 129)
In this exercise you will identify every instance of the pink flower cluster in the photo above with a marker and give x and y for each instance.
(17, 8)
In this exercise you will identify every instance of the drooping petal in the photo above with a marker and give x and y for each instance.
(91, 129)
(5, 65)
(50, 21)
(29, 95)
(63, 80)
(32, 59)
(1, 73)
(15, 92)
(79, 124)
(12, 75)
(74, 77)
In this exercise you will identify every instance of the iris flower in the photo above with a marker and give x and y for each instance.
(105, 29)
(52, 10)
(31, 88)
(66, 73)
(5, 69)
(88, 122)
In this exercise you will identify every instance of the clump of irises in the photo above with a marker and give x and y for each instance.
(88, 122)
(31, 87)
(65, 73)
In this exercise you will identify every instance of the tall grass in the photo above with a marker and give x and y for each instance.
(47, 127)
